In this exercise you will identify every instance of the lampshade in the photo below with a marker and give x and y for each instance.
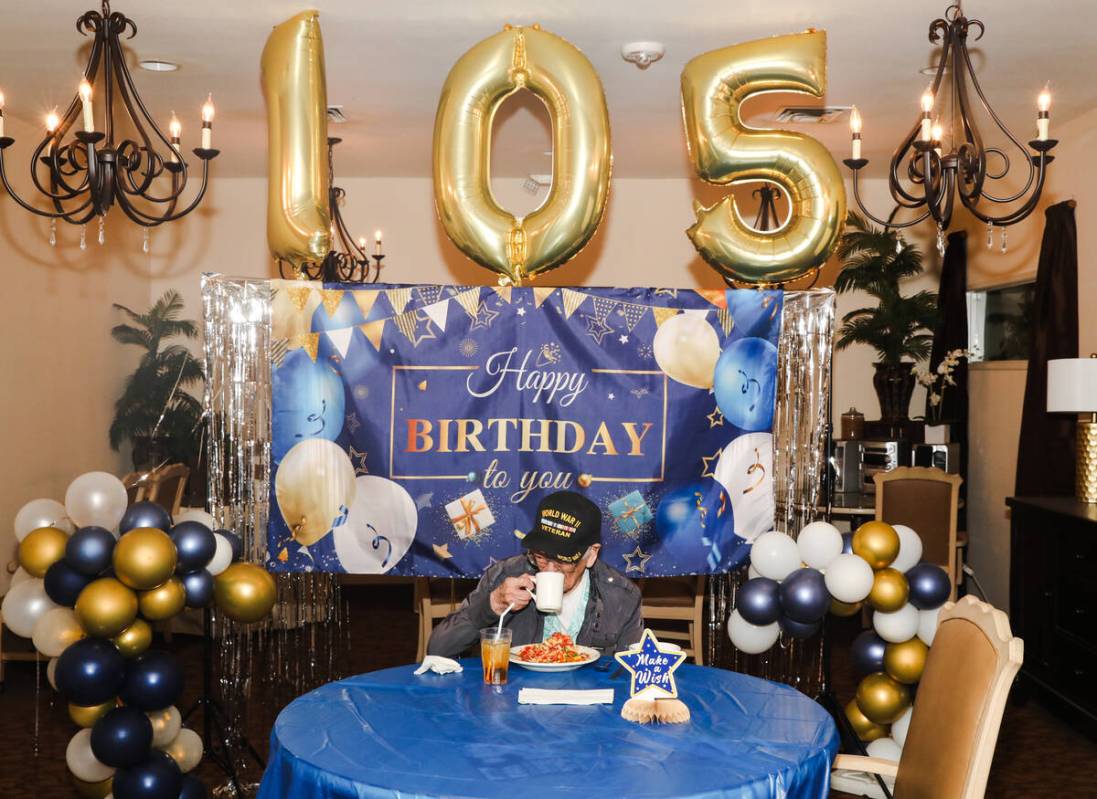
(1072, 385)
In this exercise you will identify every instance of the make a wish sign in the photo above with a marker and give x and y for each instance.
(416, 428)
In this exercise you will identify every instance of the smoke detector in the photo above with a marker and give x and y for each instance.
(643, 54)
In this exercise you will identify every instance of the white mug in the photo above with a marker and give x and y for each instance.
(550, 591)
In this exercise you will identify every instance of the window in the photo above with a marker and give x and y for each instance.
(1000, 323)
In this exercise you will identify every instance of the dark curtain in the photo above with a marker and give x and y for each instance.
(1045, 455)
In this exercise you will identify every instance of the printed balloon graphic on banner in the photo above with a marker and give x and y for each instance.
(694, 524)
(292, 305)
(519, 248)
(379, 529)
(315, 489)
(746, 383)
(686, 348)
(724, 150)
(308, 401)
(745, 470)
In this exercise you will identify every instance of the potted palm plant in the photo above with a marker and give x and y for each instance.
(156, 413)
(899, 327)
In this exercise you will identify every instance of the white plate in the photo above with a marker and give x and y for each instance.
(591, 655)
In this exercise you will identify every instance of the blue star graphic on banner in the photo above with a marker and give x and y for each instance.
(652, 667)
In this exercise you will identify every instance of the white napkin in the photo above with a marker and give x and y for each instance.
(439, 665)
(548, 696)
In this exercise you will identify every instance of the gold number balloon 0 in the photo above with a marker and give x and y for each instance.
(724, 150)
(553, 69)
(298, 223)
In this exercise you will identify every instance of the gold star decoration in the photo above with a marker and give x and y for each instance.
(484, 317)
(359, 459)
(636, 555)
(708, 463)
(442, 551)
(716, 418)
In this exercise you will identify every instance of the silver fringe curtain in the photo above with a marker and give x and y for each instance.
(799, 459)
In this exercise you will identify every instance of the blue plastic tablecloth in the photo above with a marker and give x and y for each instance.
(393, 734)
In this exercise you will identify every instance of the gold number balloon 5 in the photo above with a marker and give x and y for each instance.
(298, 223)
(724, 150)
(553, 69)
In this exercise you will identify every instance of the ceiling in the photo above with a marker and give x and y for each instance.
(386, 62)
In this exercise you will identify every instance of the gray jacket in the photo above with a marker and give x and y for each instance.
(612, 621)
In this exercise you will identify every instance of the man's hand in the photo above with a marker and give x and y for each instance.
(512, 590)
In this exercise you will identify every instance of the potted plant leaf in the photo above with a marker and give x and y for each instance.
(899, 327)
(156, 413)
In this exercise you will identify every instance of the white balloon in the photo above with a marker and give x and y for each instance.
(379, 529)
(898, 626)
(96, 498)
(195, 515)
(686, 348)
(927, 625)
(752, 572)
(910, 548)
(41, 513)
(222, 555)
(21, 575)
(186, 749)
(900, 727)
(24, 605)
(55, 631)
(51, 673)
(751, 638)
(819, 544)
(885, 749)
(166, 724)
(83, 764)
(774, 555)
(849, 578)
(745, 470)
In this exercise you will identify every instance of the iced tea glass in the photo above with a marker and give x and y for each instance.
(495, 654)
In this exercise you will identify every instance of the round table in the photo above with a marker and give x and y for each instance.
(394, 734)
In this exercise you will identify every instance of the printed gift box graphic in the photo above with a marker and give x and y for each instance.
(470, 515)
(630, 513)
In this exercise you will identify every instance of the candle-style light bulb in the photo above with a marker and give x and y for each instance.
(207, 123)
(52, 121)
(175, 130)
(1, 115)
(362, 243)
(938, 137)
(1043, 115)
(85, 102)
(377, 242)
(855, 132)
(927, 109)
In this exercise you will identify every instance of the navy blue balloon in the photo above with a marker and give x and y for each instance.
(929, 586)
(199, 588)
(155, 777)
(758, 601)
(867, 653)
(804, 596)
(122, 738)
(309, 402)
(237, 543)
(193, 788)
(847, 543)
(90, 671)
(745, 383)
(194, 544)
(798, 629)
(89, 550)
(63, 583)
(145, 514)
(695, 528)
(153, 681)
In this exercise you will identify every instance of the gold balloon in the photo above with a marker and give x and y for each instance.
(889, 590)
(315, 481)
(881, 698)
(87, 716)
(144, 558)
(840, 608)
(905, 662)
(135, 639)
(877, 543)
(94, 790)
(164, 601)
(292, 68)
(866, 729)
(245, 592)
(106, 607)
(41, 549)
(723, 150)
(518, 248)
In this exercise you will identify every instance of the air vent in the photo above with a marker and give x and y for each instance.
(811, 114)
(336, 115)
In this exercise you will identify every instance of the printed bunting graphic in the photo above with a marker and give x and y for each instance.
(572, 301)
(470, 301)
(398, 298)
(340, 339)
(309, 342)
(365, 299)
(373, 332)
(331, 299)
(438, 312)
(662, 314)
(541, 293)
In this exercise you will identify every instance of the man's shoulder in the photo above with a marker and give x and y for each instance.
(612, 581)
(511, 567)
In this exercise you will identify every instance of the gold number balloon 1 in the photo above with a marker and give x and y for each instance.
(518, 248)
(723, 150)
(298, 223)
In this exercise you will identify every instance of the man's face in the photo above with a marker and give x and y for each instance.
(573, 572)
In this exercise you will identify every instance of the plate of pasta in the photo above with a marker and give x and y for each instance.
(557, 653)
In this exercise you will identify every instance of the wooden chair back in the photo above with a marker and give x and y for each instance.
(166, 486)
(676, 599)
(436, 598)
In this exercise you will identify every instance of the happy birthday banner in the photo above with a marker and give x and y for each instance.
(416, 428)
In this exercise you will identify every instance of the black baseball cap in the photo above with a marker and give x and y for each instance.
(566, 525)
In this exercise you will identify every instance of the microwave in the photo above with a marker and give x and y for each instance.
(846, 464)
(882, 456)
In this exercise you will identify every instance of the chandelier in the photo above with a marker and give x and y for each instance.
(936, 163)
(348, 261)
(82, 169)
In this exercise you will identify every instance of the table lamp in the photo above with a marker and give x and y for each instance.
(1072, 388)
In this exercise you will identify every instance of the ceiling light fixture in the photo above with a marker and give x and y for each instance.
(156, 65)
(643, 54)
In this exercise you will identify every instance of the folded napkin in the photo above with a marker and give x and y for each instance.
(547, 696)
(439, 665)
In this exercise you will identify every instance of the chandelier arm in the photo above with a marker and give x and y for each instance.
(197, 198)
(935, 186)
(151, 156)
(23, 203)
(133, 190)
(860, 204)
(1019, 213)
(1032, 176)
(140, 216)
(898, 192)
(56, 176)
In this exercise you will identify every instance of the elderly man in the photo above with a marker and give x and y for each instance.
(600, 609)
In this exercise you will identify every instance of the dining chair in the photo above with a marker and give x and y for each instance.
(436, 599)
(165, 486)
(957, 712)
(927, 500)
(676, 599)
(135, 486)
